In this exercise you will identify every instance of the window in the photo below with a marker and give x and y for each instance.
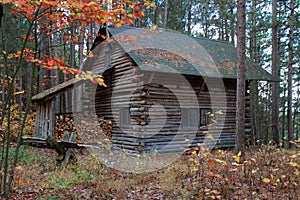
(124, 117)
(189, 117)
(205, 116)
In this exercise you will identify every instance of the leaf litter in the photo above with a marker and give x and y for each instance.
(263, 173)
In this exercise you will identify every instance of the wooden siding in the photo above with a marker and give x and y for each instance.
(154, 101)
(45, 119)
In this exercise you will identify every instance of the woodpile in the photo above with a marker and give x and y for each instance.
(64, 123)
(107, 127)
(89, 128)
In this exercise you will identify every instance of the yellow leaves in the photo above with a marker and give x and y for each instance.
(153, 4)
(92, 77)
(154, 28)
(19, 168)
(293, 164)
(239, 154)
(209, 136)
(293, 156)
(36, 61)
(15, 121)
(130, 15)
(266, 180)
(236, 164)
(221, 161)
(90, 54)
(237, 158)
(19, 92)
(219, 112)
(278, 180)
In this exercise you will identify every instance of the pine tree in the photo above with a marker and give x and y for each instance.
(241, 58)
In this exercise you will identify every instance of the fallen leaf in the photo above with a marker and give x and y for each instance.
(266, 180)
(212, 163)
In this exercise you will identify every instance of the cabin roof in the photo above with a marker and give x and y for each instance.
(56, 90)
(168, 51)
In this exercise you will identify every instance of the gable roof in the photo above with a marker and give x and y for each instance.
(172, 52)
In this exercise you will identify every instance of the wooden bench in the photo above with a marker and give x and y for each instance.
(64, 148)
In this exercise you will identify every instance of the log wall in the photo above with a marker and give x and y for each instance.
(154, 102)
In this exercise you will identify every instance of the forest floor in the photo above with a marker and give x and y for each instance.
(264, 173)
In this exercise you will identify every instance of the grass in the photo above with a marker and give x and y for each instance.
(265, 173)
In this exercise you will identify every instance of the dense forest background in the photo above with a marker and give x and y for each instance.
(269, 25)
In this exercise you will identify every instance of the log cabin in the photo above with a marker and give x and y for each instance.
(166, 91)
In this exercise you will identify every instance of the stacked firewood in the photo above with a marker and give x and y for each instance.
(89, 128)
(64, 123)
(106, 126)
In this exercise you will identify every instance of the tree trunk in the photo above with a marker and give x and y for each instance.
(166, 14)
(232, 29)
(254, 83)
(283, 117)
(189, 24)
(155, 13)
(241, 58)
(275, 85)
(290, 77)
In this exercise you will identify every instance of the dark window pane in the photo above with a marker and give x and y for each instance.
(204, 116)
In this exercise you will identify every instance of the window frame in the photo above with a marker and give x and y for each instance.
(204, 117)
(195, 117)
(124, 117)
(189, 118)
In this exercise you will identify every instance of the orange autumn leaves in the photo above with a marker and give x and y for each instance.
(82, 11)
(51, 16)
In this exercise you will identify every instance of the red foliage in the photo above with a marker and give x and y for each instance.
(53, 16)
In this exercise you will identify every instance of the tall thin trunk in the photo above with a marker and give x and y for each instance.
(283, 117)
(189, 24)
(81, 48)
(221, 20)
(155, 15)
(254, 83)
(166, 14)
(54, 79)
(232, 29)
(275, 85)
(290, 76)
(241, 58)
(206, 23)
(62, 106)
(72, 63)
(226, 32)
